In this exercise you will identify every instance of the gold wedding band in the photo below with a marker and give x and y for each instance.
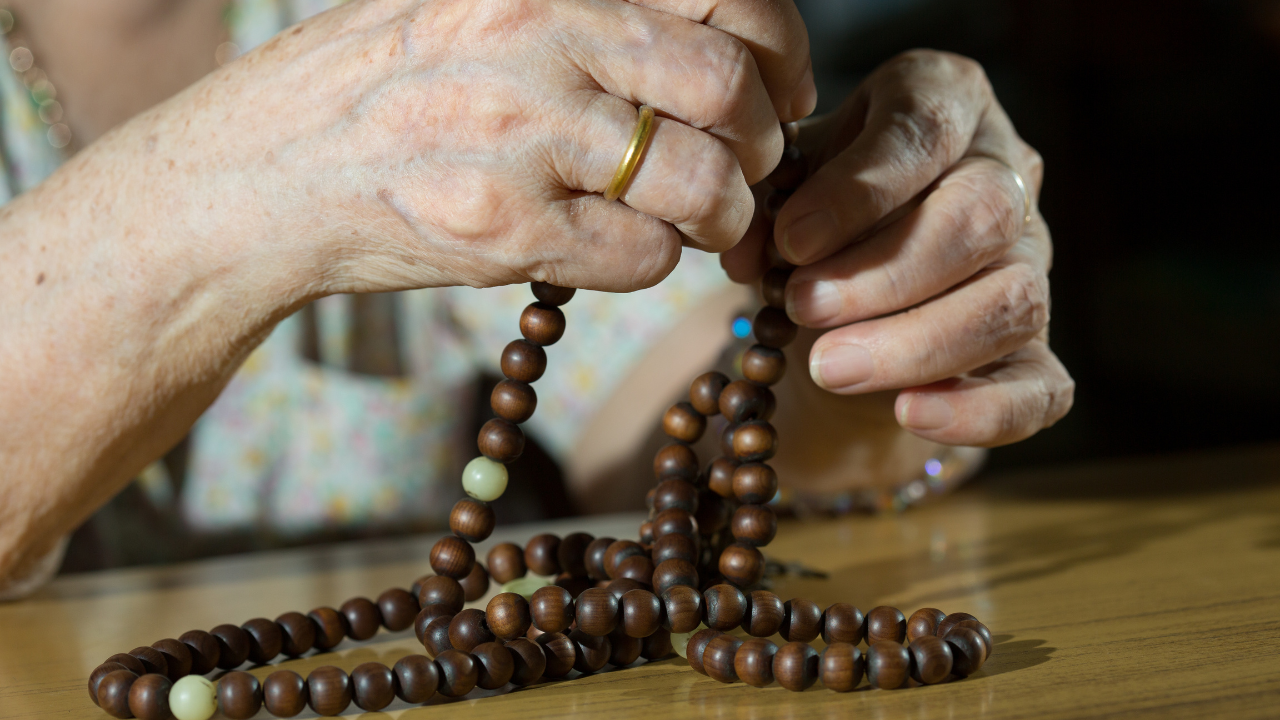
(1022, 185)
(640, 138)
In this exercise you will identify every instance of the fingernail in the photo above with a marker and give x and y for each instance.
(806, 237)
(806, 98)
(841, 366)
(926, 412)
(813, 302)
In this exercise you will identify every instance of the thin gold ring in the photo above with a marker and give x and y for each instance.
(1022, 185)
(640, 138)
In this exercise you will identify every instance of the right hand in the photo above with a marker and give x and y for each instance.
(396, 144)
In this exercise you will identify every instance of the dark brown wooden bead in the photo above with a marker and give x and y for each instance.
(152, 660)
(764, 615)
(675, 547)
(435, 636)
(981, 630)
(764, 365)
(795, 666)
(442, 590)
(571, 553)
(416, 678)
(931, 659)
(575, 585)
(623, 649)
(285, 693)
(675, 494)
(560, 652)
(398, 608)
(755, 441)
(425, 616)
(594, 557)
(591, 652)
(843, 623)
(472, 520)
(468, 629)
(718, 658)
(528, 660)
(683, 423)
(924, 622)
(754, 662)
(646, 533)
(674, 521)
(100, 672)
(791, 171)
(113, 692)
(641, 613)
(234, 645)
(330, 627)
(149, 698)
(773, 328)
(724, 607)
(265, 639)
(790, 133)
(298, 634)
(951, 621)
(697, 646)
(501, 441)
(622, 585)
(773, 203)
(373, 686)
(888, 664)
(204, 650)
(132, 663)
(886, 623)
(542, 324)
(676, 460)
(513, 400)
(726, 441)
(803, 621)
(328, 690)
(453, 557)
(494, 664)
(755, 483)
(177, 657)
(657, 645)
(551, 294)
(459, 673)
(720, 476)
(541, 554)
(842, 666)
(598, 611)
(742, 565)
(713, 513)
(773, 287)
(619, 551)
(523, 361)
(476, 584)
(239, 695)
(754, 525)
(681, 609)
(362, 618)
(508, 615)
(506, 563)
(704, 393)
(743, 400)
(674, 572)
(968, 650)
(552, 609)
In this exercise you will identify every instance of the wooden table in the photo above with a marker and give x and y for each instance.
(1137, 588)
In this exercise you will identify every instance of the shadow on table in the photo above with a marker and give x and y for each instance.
(1012, 655)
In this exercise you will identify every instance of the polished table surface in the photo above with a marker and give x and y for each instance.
(1135, 588)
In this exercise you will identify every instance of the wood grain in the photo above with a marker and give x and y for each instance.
(1136, 588)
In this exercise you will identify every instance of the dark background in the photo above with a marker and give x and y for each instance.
(1158, 124)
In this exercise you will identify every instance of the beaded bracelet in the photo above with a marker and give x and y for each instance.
(693, 576)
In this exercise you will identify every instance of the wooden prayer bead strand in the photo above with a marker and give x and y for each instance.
(506, 563)
(541, 554)
(330, 627)
(886, 623)
(719, 656)
(513, 401)
(239, 695)
(765, 613)
(754, 525)
(476, 584)
(742, 565)
(795, 666)
(452, 556)
(149, 699)
(285, 693)
(704, 392)
(753, 662)
(472, 520)
(683, 423)
(416, 678)
(328, 690)
(542, 324)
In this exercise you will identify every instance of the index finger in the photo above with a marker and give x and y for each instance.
(775, 34)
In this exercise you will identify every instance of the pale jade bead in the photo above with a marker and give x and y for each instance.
(526, 586)
(484, 479)
(193, 698)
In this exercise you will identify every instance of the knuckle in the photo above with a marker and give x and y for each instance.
(927, 125)
(983, 220)
(1022, 306)
(726, 80)
(709, 188)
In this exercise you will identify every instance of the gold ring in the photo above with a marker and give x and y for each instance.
(1017, 178)
(640, 138)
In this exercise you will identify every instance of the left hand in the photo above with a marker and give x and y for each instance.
(914, 252)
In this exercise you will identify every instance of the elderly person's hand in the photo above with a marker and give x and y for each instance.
(918, 257)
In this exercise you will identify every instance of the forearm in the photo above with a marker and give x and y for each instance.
(132, 283)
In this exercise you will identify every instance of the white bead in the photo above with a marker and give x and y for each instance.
(193, 698)
(484, 479)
